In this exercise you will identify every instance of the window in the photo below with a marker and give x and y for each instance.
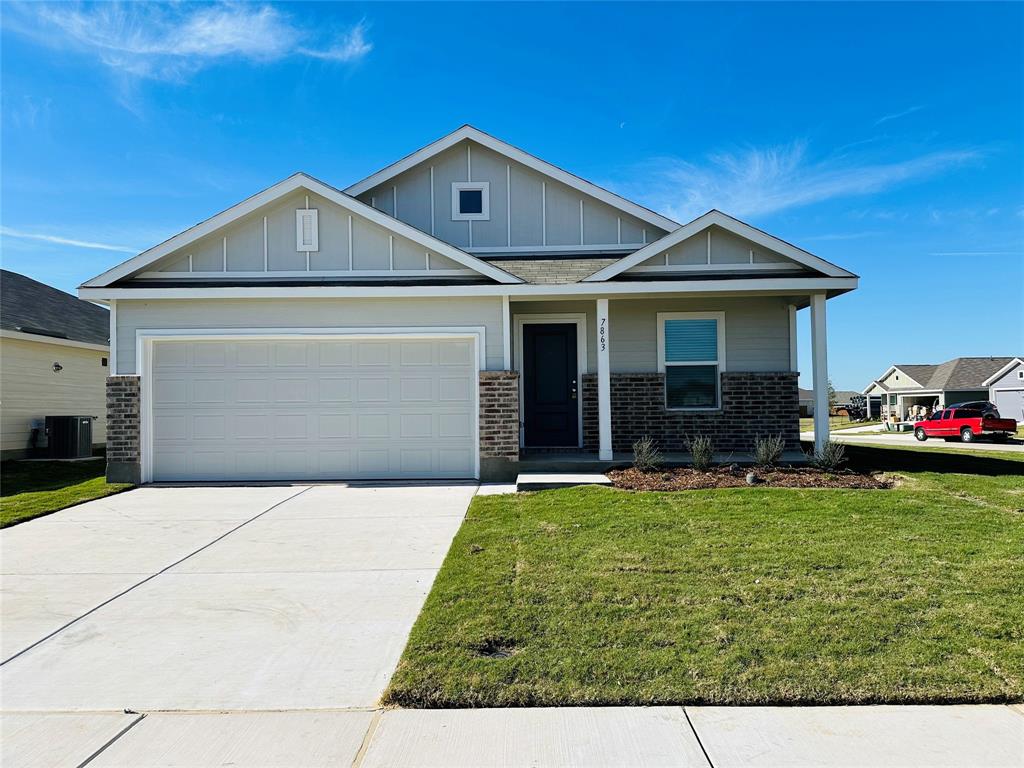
(691, 354)
(103, 362)
(471, 201)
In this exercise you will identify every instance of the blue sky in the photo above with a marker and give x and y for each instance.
(887, 138)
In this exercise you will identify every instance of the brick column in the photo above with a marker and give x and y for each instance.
(123, 454)
(499, 425)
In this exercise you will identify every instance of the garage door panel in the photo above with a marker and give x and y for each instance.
(325, 409)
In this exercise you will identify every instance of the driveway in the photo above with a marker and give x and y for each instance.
(216, 598)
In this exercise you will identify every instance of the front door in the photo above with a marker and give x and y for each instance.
(550, 385)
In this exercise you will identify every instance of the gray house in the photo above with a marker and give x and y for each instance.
(904, 389)
(465, 305)
(1006, 389)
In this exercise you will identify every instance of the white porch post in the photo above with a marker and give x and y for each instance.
(819, 365)
(604, 384)
(506, 333)
(867, 404)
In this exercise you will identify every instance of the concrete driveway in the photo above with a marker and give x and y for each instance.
(216, 598)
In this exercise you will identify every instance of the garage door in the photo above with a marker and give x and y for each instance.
(1010, 403)
(315, 409)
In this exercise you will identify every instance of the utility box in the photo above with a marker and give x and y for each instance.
(69, 437)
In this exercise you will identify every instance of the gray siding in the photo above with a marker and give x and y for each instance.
(528, 223)
(133, 315)
(726, 248)
(1009, 380)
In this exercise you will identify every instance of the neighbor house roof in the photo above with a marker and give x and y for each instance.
(960, 373)
(30, 307)
(843, 396)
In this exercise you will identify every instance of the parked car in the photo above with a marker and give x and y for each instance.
(966, 423)
(986, 408)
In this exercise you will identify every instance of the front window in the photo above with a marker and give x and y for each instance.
(691, 354)
(471, 201)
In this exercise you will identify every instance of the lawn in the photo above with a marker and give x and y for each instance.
(836, 424)
(738, 596)
(30, 489)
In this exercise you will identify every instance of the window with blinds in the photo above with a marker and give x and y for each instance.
(691, 354)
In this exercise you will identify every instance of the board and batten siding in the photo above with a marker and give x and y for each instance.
(543, 211)
(29, 388)
(255, 314)
(714, 246)
(756, 332)
(1009, 380)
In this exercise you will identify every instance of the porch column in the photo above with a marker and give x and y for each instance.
(867, 405)
(604, 384)
(819, 366)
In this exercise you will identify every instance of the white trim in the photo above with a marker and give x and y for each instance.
(224, 252)
(266, 250)
(519, 156)
(506, 333)
(431, 201)
(1002, 372)
(734, 267)
(544, 214)
(793, 347)
(720, 363)
(277, 191)
(604, 382)
(740, 287)
(737, 227)
(21, 336)
(600, 248)
(819, 369)
(709, 246)
(581, 221)
(112, 340)
(579, 319)
(508, 205)
(145, 338)
(341, 273)
(485, 195)
(1007, 389)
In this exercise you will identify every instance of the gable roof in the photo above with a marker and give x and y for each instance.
(1003, 371)
(960, 373)
(513, 153)
(28, 306)
(737, 227)
(279, 190)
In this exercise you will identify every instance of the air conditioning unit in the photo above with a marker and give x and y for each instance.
(69, 437)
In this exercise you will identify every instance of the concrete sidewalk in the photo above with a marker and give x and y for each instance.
(904, 439)
(583, 737)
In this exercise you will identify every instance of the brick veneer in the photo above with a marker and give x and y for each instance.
(499, 415)
(123, 465)
(752, 404)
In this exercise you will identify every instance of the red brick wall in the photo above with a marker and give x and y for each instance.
(752, 404)
(499, 415)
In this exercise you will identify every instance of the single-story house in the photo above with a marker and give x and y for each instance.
(466, 303)
(53, 362)
(909, 390)
(1006, 389)
(844, 397)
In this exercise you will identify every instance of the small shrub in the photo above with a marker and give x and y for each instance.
(702, 451)
(768, 450)
(646, 456)
(831, 456)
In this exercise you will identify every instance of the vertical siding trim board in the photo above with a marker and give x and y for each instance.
(753, 404)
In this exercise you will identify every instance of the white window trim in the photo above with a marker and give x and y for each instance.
(146, 337)
(579, 319)
(300, 246)
(485, 189)
(720, 362)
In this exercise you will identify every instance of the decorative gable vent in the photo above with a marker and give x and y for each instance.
(307, 236)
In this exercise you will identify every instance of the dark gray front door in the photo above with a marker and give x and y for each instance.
(550, 385)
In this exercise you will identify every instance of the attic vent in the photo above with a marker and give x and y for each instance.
(307, 236)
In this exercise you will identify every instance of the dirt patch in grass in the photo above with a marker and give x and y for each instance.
(687, 479)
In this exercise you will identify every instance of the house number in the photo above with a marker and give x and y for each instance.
(604, 334)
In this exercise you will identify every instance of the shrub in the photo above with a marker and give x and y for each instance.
(646, 456)
(831, 456)
(768, 450)
(702, 451)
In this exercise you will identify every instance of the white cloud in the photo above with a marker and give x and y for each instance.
(897, 115)
(756, 182)
(58, 240)
(174, 41)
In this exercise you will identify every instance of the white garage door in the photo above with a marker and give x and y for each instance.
(1010, 403)
(316, 409)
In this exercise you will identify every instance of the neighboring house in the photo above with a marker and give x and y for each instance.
(907, 388)
(844, 397)
(53, 362)
(437, 317)
(1006, 389)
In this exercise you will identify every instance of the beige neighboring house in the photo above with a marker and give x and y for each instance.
(463, 308)
(53, 362)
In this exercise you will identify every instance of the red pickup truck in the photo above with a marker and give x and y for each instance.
(967, 424)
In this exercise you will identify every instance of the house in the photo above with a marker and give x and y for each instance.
(909, 390)
(463, 305)
(1006, 389)
(53, 362)
(843, 398)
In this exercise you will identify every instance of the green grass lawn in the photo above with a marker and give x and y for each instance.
(29, 489)
(835, 424)
(739, 596)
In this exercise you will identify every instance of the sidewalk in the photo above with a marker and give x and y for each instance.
(584, 737)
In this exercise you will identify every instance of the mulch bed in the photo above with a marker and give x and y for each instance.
(734, 476)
